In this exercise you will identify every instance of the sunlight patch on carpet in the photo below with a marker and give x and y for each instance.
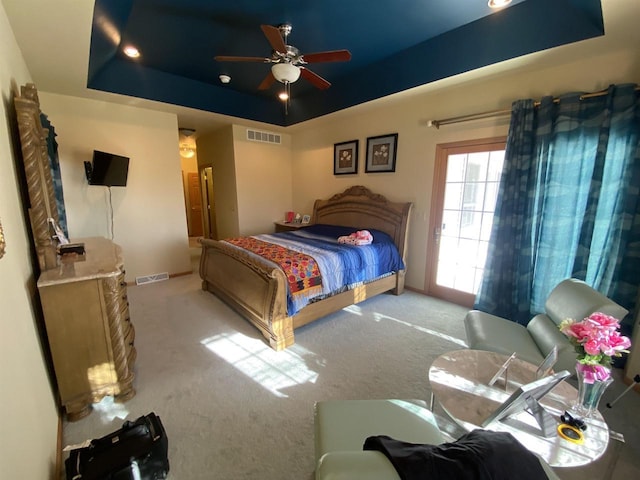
(109, 410)
(274, 371)
(355, 309)
(380, 317)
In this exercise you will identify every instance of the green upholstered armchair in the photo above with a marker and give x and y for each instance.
(571, 298)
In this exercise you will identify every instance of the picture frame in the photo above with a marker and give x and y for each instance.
(345, 157)
(381, 153)
(306, 218)
(527, 397)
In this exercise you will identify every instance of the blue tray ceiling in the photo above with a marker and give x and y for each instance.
(394, 45)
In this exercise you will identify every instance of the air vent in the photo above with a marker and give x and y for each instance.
(158, 277)
(265, 137)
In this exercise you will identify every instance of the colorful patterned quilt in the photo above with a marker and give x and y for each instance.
(301, 270)
(316, 265)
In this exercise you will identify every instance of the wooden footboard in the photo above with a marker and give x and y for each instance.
(251, 286)
(257, 289)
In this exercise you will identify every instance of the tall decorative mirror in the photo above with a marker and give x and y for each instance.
(39, 153)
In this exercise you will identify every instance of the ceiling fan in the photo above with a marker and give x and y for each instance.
(288, 62)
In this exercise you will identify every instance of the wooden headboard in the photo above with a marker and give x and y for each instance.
(360, 208)
(42, 199)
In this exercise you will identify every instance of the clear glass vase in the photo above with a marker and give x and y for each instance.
(592, 382)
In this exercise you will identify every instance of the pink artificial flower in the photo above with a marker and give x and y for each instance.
(593, 347)
(578, 330)
(597, 340)
(617, 343)
(604, 321)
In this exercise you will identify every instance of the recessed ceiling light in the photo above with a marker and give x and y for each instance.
(131, 51)
(499, 3)
(283, 96)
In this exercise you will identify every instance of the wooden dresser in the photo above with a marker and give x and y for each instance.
(84, 300)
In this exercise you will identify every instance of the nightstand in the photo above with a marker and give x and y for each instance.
(287, 227)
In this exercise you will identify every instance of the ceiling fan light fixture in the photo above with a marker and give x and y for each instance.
(498, 3)
(285, 72)
(187, 132)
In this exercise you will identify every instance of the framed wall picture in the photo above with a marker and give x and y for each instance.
(381, 153)
(345, 157)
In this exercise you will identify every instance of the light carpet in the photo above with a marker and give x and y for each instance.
(235, 409)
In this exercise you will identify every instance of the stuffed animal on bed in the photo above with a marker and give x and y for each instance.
(361, 237)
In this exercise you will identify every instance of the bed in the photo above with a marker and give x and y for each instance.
(258, 288)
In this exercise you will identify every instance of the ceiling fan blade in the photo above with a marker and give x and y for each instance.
(313, 78)
(331, 56)
(267, 82)
(275, 39)
(222, 58)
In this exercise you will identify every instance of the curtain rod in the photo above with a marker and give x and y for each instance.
(500, 113)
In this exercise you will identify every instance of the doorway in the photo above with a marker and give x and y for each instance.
(195, 205)
(465, 187)
(208, 200)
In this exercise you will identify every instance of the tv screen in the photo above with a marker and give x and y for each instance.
(109, 170)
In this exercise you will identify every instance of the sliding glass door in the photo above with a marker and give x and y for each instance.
(467, 175)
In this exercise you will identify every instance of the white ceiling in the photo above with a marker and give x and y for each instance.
(54, 38)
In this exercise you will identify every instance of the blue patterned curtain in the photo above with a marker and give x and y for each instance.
(568, 203)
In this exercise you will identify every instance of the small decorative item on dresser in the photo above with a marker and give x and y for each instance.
(71, 248)
(596, 340)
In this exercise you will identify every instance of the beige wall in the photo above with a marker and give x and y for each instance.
(149, 213)
(252, 180)
(406, 114)
(263, 181)
(29, 421)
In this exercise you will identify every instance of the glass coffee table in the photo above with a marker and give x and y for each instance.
(459, 382)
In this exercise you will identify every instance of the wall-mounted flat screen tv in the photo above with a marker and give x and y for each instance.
(108, 169)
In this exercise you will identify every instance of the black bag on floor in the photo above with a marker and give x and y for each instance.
(137, 451)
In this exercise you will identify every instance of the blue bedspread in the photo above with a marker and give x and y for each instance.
(340, 265)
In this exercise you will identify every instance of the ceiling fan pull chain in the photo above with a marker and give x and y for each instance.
(287, 90)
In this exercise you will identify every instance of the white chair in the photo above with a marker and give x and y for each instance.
(342, 426)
